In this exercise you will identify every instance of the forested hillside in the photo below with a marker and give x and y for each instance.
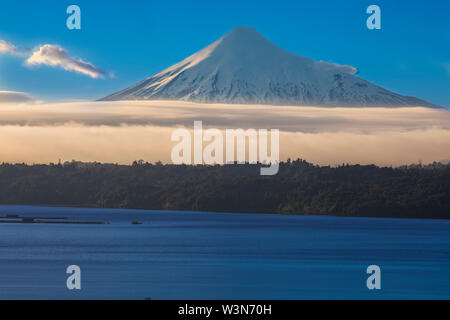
(298, 188)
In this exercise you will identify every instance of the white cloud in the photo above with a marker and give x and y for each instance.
(337, 67)
(7, 47)
(14, 97)
(56, 56)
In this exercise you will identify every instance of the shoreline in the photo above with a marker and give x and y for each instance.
(148, 211)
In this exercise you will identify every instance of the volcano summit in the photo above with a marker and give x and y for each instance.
(244, 67)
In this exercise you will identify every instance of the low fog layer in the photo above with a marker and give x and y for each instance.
(129, 130)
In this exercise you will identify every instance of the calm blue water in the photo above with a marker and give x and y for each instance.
(190, 255)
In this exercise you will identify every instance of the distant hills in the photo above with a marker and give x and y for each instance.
(244, 67)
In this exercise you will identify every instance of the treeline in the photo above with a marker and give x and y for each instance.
(298, 188)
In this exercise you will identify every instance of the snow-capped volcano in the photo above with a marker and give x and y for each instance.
(244, 67)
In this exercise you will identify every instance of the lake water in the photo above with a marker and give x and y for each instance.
(193, 255)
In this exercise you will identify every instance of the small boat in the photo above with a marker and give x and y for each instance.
(136, 222)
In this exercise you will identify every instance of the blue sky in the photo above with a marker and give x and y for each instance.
(135, 39)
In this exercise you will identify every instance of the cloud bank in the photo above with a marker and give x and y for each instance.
(124, 131)
(181, 113)
(56, 56)
(14, 97)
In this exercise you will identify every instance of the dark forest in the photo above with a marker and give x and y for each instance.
(298, 188)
